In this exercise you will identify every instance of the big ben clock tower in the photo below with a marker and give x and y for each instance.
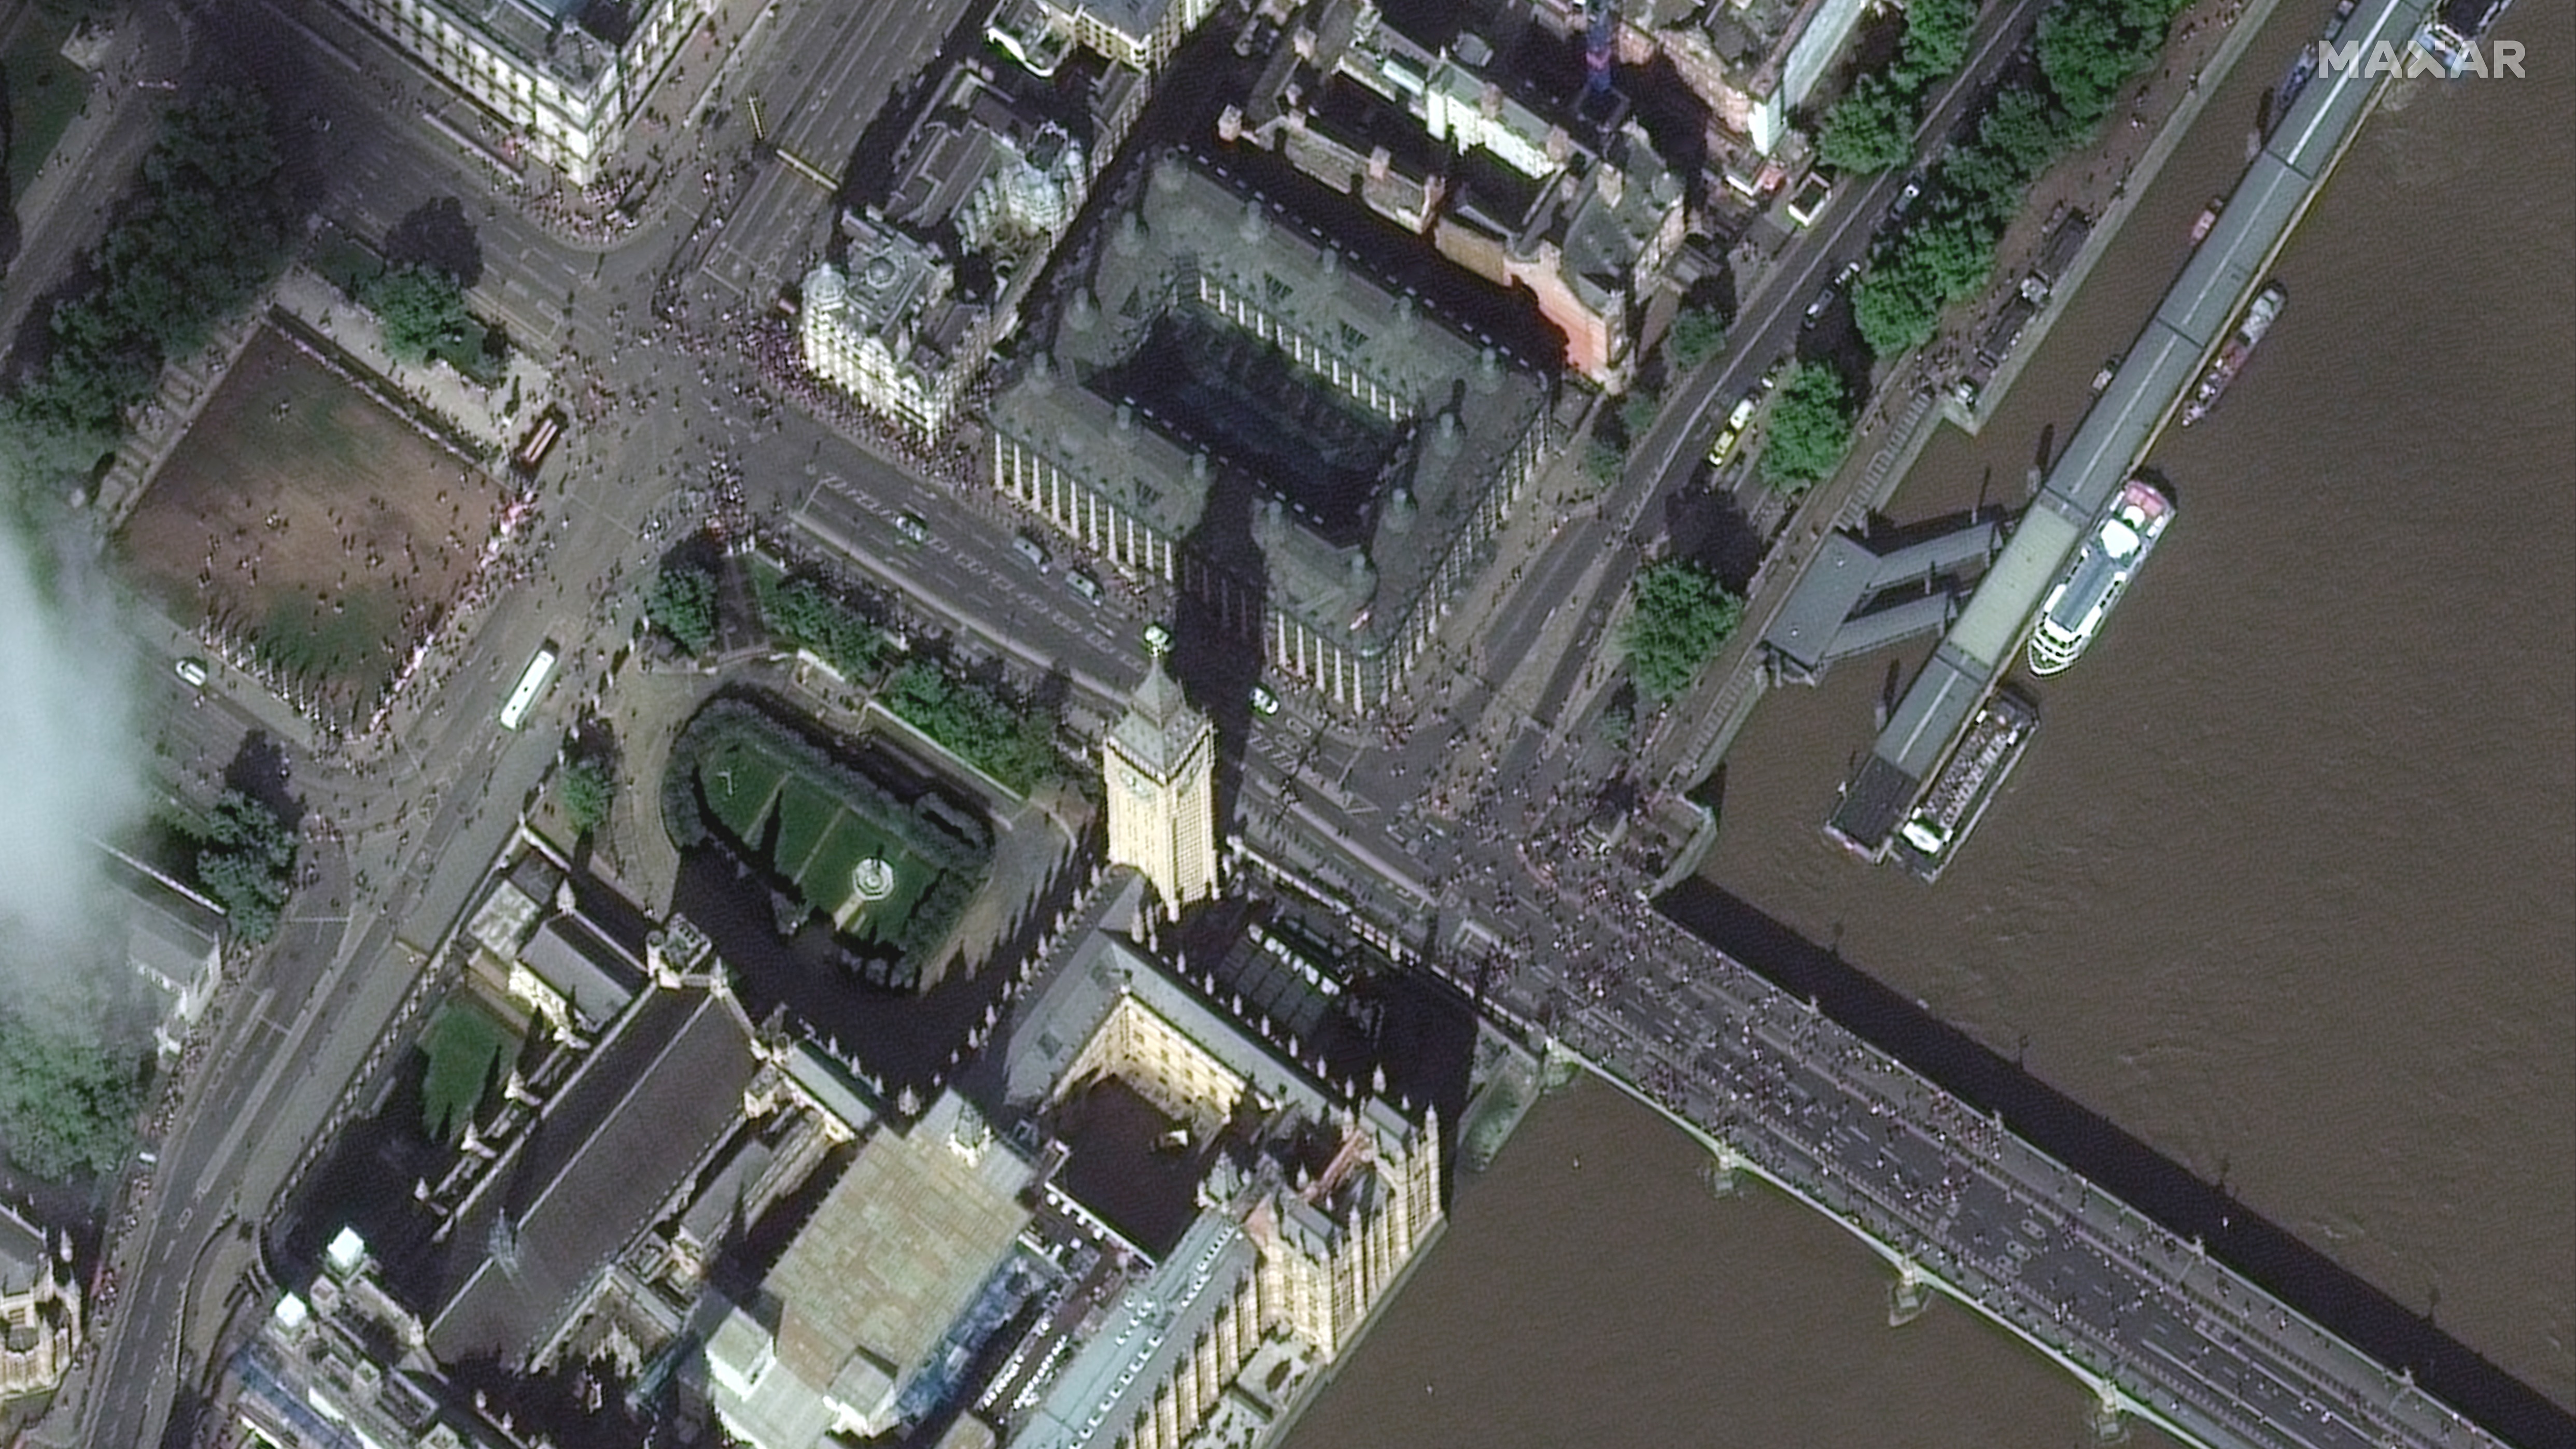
(1160, 764)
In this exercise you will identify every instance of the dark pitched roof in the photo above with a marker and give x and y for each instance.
(656, 1098)
(22, 1253)
(589, 970)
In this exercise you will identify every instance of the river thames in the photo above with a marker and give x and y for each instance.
(2285, 887)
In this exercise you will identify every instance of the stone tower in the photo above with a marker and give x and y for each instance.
(1160, 768)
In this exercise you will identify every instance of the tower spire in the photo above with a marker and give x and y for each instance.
(1159, 766)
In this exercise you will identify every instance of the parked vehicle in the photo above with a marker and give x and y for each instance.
(1083, 584)
(1905, 199)
(1733, 433)
(1031, 550)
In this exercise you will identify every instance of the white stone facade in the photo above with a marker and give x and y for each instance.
(566, 96)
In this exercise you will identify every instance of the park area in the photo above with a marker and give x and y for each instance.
(846, 865)
(865, 839)
(301, 514)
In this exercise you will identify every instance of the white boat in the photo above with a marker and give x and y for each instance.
(2082, 599)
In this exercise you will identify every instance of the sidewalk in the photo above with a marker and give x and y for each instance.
(492, 416)
(2101, 183)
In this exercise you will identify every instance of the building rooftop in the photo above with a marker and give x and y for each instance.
(873, 1280)
(1614, 220)
(23, 1253)
(556, 36)
(1216, 351)
(1160, 726)
(169, 934)
(1056, 1021)
(889, 279)
(584, 967)
(1116, 1373)
(1135, 19)
(899, 1246)
(991, 162)
(647, 1107)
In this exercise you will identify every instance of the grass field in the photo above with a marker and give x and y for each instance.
(464, 1045)
(311, 518)
(820, 840)
(45, 93)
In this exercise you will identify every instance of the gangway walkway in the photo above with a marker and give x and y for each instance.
(2282, 180)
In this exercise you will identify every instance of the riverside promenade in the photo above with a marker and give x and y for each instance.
(2194, 317)
(1962, 1206)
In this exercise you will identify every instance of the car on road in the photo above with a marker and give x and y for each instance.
(191, 672)
(1158, 639)
(1032, 550)
(1733, 432)
(1083, 584)
(910, 526)
(1824, 299)
(1263, 701)
(1850, 270)
(1779, 370)
(1904, 201)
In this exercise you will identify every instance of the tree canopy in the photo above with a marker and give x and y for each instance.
(1936, 41)
(247, 862)
(1638, 411)
(586, 788)
(1680, 617)
(1810, 428)
(1697, 335)
(1947, 252)
(418, 308)
(1604, 461)
(806, 613)
(1895, 306)
(205, 234)
(1013, 743)
(2088, 51)
(1870, 129)
(68, 1104)
(682, 604)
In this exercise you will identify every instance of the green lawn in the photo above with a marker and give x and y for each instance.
(739, 782)
(45, 93)
(465, 1047)
(820, 842)
(828, 873)
(804, 814)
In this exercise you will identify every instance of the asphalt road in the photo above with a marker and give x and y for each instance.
(834, 67)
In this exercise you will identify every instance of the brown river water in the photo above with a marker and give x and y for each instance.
(2285, 887)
